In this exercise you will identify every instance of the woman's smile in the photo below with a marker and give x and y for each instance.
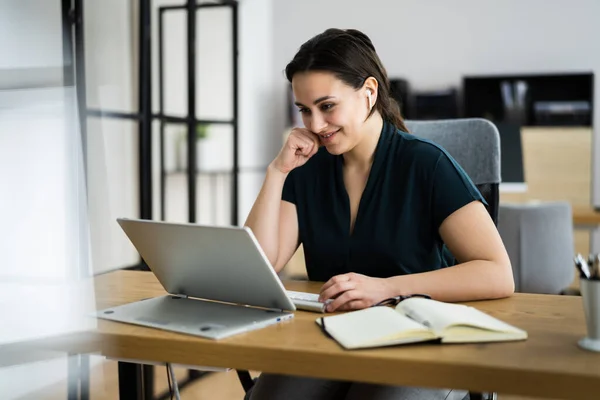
(328, 137)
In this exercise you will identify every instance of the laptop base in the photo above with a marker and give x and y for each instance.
(208, 319)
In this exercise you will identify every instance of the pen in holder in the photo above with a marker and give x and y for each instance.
(590, 293)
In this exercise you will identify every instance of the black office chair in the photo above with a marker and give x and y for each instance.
(475, 145)
(246, 380)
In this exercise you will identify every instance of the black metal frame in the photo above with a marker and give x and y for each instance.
(78, 372)
(78, 368)
(145, 117)
(77, 21)
(190, 120)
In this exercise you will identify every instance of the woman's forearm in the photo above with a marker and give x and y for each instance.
(264, 216)
(473, 280)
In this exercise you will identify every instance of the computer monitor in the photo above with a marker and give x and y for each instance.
(511, 158)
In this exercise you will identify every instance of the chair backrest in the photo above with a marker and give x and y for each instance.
(539, 241)
(475, 145)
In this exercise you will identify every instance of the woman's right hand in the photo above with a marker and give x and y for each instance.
(299, 147)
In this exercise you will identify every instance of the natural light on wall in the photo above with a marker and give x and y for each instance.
(45, 286)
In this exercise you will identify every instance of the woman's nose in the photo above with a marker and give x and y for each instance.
(317, 123)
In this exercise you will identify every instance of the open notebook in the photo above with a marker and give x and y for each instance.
(417, 320)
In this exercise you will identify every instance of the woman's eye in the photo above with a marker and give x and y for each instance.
(303, 110)
(326, 107)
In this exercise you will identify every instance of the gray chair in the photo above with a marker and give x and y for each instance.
(540, 243)
(475, 144)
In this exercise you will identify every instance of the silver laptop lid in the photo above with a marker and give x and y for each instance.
(209, 262)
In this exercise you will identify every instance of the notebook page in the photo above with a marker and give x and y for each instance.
(441, 315)
(434, 314)
(372, 325)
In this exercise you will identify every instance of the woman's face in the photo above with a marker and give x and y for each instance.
(331, 109)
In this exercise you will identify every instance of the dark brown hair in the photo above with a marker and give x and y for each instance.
(350, 55)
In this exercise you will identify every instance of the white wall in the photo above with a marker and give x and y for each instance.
(36, 44)
(30, 54)
(43, 237)
(433, 43)
(260, 135)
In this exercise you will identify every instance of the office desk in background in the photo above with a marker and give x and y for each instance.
(548, 364)
(589, 219)
(586, 216)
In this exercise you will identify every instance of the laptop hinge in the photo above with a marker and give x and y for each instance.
(181, 296)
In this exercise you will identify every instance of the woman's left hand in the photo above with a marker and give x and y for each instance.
(354, 291)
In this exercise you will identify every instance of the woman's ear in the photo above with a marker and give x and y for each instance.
(370, 86)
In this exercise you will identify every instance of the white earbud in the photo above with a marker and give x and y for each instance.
(370, 99)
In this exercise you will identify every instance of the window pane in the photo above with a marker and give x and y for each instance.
(113, 190)
(214, 69)
(110, 55)
(174, 63)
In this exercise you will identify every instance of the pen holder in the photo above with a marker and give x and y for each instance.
(590, 293)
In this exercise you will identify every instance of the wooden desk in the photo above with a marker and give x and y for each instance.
(548, 364)
(586, 222)
(585, 216)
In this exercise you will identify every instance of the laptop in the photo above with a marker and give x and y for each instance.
(218, 279)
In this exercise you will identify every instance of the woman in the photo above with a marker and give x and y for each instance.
(372, 205)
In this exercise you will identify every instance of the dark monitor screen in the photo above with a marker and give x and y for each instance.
(511, 153)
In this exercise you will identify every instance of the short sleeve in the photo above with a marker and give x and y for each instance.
(452, 189)
(289, 188)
